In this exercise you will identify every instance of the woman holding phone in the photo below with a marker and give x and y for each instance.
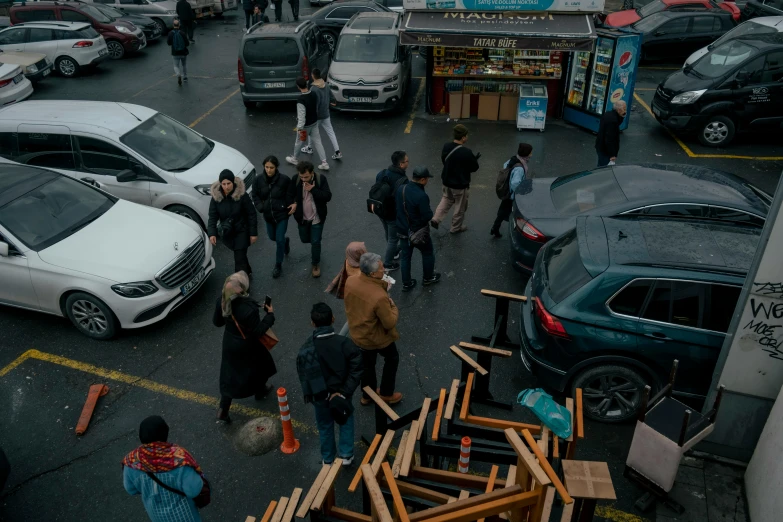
(246, 364)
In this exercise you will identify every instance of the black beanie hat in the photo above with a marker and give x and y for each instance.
(226, 174)
(524, 150)
(153, 429)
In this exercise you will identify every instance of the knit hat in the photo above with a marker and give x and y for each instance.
(460, 131)
(421, 172)
(226, 174)
(153, 429)
(524, 150)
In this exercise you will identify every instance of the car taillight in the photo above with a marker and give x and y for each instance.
(240, 72)
(83, 43)
(305, 68)
(529, 231)
(549, 322)
(3, 83)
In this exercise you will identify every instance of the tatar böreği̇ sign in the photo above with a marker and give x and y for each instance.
(588, 6)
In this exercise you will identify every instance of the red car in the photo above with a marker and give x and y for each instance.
(630, 16)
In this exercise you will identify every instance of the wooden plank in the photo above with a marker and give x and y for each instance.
(399, 505)
(410, 449)
(438, 415)
(380, 402)
(512, 473)
(423, 493)
(250, 519)
(544, 438)
(375, 494)
(277, 516)
(580, 421)
(358, 476)
(463, 480)
(549, 501)
(271, 509)
(463, 413)
(465, 357)
(400, 454)
(349, 516)
(464, 494)
(555, 447)
(547, 468)
(570, 408)
(451, 500)
(452, 399)
(493, 474)
(327, 485)
(383, 448)
(501, 424)
(511, 297)
(485, 349)
(425, 410)
(527, 458)
(313, 491)
(466, 503)
(288, 516)
(489, 509)
(568, 513)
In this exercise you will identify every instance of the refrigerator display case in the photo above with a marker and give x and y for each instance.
(597, 80)
(533, 100)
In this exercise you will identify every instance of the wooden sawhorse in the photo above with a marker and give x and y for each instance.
(499, 335)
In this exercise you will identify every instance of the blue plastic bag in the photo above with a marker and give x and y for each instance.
(555, 417)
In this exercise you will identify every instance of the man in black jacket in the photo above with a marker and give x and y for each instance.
(459, 163)
(395, 176)
(310, 193)
(178, 41)
(413, 214)
(186, 18)
(607, 143)
(330, 366)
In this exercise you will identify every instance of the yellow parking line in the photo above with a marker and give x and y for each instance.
(146, 384)
(210, 111)
(416, 101)
(615, 515)
(692, 154)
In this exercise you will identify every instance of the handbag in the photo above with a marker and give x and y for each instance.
(268, 339)
(226, 228)
(201, 500)
(422, 235)
(340, 408)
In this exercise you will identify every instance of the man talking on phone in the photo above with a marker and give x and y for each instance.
(310, 194)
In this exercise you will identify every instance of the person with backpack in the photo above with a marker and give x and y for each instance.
(310, 193)
(324, 95)
(413, 225)
(187, 18)
(330, 369)
(510, 176)
(459, 163)
(179, 51)
(307, 124)
(272, 199)
(382, 203)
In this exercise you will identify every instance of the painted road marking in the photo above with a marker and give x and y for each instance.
(692, 154)
(146, 384)
(151, 86)
(213, 109)
(415, 107)
(615, 515)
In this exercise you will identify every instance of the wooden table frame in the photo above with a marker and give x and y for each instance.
(483, 368)
(499, 335)
(387, 419)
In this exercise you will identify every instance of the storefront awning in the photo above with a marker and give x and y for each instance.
(499, 30)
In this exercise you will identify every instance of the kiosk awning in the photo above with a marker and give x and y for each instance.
(499, 30)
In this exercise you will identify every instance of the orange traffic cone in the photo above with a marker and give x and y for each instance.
(290, 444)
(464, 455)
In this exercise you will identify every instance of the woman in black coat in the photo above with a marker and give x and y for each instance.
(272, 199)
(232, 217)
(246, 364)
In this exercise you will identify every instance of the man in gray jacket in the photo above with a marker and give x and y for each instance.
(324, 96)
(307, 121)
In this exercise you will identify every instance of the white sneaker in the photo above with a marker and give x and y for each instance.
(337, 155)
(323, 166)
(347, 462)
(292, 160)
(307, 150)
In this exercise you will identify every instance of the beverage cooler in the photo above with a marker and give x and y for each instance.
(596, 80)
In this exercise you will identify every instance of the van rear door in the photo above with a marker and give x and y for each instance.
(273, 64)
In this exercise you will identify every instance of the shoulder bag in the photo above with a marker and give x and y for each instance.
(421, 236)
(268, 339)
(201, 500)
(450, 153)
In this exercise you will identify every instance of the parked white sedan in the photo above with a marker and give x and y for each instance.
(14, 87)
(70, 249)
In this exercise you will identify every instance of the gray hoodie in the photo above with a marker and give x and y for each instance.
(321, 91)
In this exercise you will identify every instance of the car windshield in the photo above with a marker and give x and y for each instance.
(168, 144)
(366, 48)
(565, 272)
(746, 28)
(96, 13)
(722, 59)
(111, 12)
(645, 25)
(53, 211)
(581, 192)
(653, 7)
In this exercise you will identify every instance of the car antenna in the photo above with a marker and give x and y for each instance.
(129, 112)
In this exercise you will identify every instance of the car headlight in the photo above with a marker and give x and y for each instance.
(390, 88)
(688, 97)
(203, 189)
(32, 69)
(133, 290)
(392, 79)
(123, 29)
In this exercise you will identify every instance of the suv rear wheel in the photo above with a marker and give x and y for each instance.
(116, 50)
(610, 393)
(67, 66)
(718, 131)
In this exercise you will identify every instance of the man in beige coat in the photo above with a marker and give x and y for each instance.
(372, 323)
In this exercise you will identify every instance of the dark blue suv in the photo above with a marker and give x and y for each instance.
(612, 302)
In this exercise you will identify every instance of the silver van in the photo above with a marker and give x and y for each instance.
(370, 71)
(162, 11)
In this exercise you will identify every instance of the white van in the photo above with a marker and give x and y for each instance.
(132, 152)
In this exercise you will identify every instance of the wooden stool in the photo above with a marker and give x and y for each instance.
(587, 482)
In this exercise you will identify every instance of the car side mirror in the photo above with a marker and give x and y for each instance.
(742, 77)
(126, 175)
(3, 249)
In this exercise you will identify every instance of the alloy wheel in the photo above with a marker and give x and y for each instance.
(330, 41)
(611, 395)
(89, 317)
(716, 132)
(161, 26)
(66, 67)
(115, 50)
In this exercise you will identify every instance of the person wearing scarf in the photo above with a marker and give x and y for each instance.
(350, 268)
(245, 365)
(172, 465)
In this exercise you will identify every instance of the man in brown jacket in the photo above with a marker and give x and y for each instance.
(372, 320)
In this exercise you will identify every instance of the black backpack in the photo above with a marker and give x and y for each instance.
(382, 194)
(503, 183)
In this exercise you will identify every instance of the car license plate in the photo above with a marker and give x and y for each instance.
(273, 85)
(103, 52)
(193, 283)
(46, 72)
(656, 111)
(360, 100)
(18, 78)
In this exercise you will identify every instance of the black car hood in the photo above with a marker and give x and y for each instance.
(682, 81)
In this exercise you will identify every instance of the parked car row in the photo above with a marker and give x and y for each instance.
(635, 265)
